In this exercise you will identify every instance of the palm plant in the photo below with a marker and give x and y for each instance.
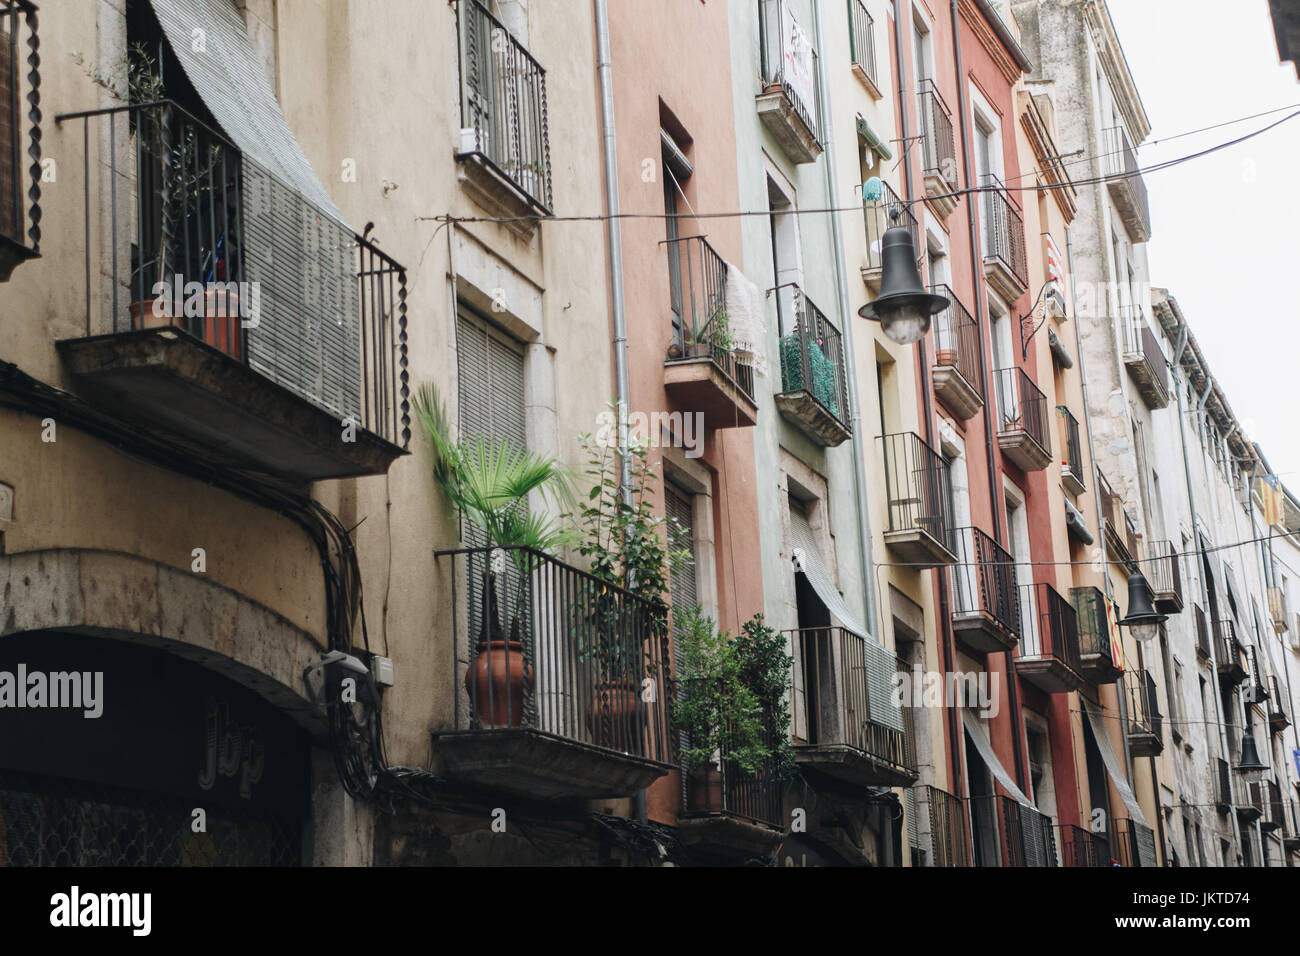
(490, 481)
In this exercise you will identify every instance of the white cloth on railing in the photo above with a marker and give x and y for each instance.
(745, 312)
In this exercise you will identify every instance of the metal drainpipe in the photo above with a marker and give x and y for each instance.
(614, 232)
(944, 623)
(981, 303)
(1224, 750)
(855, 410)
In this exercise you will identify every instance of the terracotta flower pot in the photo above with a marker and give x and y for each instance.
(945, 357)
(612, 716)
(222, 328)
(497, 681)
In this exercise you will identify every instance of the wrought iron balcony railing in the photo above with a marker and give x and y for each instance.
(938, 145)
(1229, 655)
(1008, 833)
(1022, 419)
(957, 347)
(916, 486)
(862, 41)
(1132, 843)
(20, 132)
(1049, 627)
(984, 581)
(721, 787)
(503, 113)
(944, 827)
(1145, 721)
(1004, 237)
(1082, 848)
(1279, 716)
(1127, 187)
(789, 63)
(1163, 571)
(195, 236)
(1072, 460)
(550, 648)
(878, 216)
(1096, 654)
(1143, 357)
(1274, 817)
(844, 699)
(697, 278)
(812, 355)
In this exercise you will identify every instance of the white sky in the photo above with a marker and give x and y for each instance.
(1225, 229)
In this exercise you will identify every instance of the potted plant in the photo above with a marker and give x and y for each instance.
(624, 541)
(490, 481)
(715, 710)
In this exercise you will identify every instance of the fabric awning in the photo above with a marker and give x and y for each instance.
(227, 73)
(980, 738)
(1117, 774)
(808, 559)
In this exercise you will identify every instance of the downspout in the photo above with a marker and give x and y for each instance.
(943, 626)
(981, 303)
(855, 410)
(1224, 750)
(614, 234)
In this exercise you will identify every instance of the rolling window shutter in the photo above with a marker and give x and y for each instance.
(683, 581)
(490, 374)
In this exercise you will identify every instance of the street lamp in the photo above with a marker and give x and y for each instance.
(1250, 766)
(1142, 620)
(903, 307)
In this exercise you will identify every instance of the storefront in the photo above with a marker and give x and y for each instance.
(115, 754)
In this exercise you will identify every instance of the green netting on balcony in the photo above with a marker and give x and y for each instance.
(821, 371)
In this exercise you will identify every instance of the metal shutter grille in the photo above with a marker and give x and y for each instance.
(881, 667)
(308, 337)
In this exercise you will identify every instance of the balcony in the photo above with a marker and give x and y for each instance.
(958, 373)
(862, 47)
(20, 228)
(1008, 833)
(1005, 264)
(1081, 848)
(1258, 686)
(985, 604)
(1229, 655)
(504, 149)
(788, 105)
(1143, 358)
(814, 381)
(1278, 718)
(1278, 612)
(942, 827)
(938, 149)
(1250, 799)
(1072, 461)
(851, 735)
(1022, 420)
(877, 217)
(223, 307)
(730, 815)
(1049, 640)
(1202, 632)
(1127, 188)
(916, 488)
(1164, 573)
(549, 665)
(1145, 721)
(1098, 661)
(1132, 843)
(702, 373)
(1121, 534)
(1274, 817)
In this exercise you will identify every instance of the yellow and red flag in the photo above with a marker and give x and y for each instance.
(1270, 496)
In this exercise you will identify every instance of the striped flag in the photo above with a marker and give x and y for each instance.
(1112, 627)
(1055, 271)
(1270, 496)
